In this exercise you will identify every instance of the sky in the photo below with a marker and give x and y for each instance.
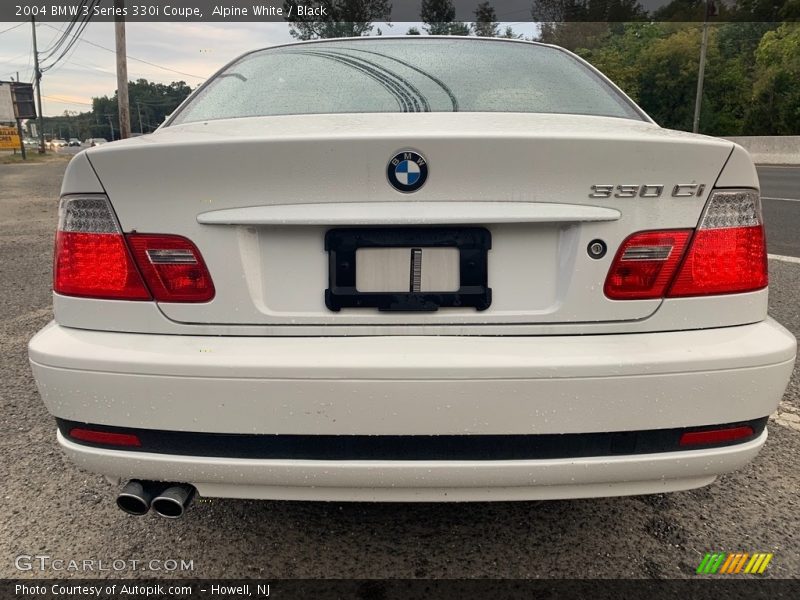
(189, 52)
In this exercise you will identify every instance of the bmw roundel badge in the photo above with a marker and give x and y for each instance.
(407, 171)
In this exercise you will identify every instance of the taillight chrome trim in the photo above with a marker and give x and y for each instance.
(171, 256)
(647, 253)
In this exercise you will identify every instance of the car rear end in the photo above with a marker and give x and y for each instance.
(257, 306)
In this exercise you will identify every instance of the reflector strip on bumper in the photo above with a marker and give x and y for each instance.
(410, 447)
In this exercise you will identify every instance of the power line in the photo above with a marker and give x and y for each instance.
(72, 61)
(63, 101)
(138, 59)
(11, 60)
(13, 27)
(70, 43)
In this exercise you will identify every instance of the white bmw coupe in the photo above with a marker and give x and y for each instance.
(410, 269)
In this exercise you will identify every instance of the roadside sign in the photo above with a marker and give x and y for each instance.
(9, 139)
(22, 94)
(7, 114)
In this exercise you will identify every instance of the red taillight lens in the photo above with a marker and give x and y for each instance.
(91, 259)
(716, 436)
(107, 438)
(728, 253)
(172, 267)
(645, 264)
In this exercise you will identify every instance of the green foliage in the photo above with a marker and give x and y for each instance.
(552, 11)
(752, 78)
(486, 24)
(439, 18)
(154, 101)
(775, 107)
(345, 18)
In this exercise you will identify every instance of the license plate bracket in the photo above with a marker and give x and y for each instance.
(473, 244)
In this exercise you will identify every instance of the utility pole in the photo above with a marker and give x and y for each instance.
(139, 110)
(19, 130)
(698, 99)
(37, 76)
(111, 125)
(122, 72)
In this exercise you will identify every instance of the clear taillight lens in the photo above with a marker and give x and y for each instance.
(728, 253)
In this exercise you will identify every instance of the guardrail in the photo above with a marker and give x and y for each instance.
(771, 150)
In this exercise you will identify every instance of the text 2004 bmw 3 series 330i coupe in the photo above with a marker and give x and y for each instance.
(410, 269)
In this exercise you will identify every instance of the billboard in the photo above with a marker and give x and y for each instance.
(22, 94)
(9, 139)
(7, 114)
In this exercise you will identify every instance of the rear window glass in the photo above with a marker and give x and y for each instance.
(405, 75)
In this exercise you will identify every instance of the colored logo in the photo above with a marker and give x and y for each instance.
(407, 171)
(741, 563)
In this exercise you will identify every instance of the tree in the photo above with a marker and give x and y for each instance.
(437, 15)
(575, 24)
(775, 103)
(486, 24)
(439, 18)
(344, 18)
(509, 33)
(153, 101)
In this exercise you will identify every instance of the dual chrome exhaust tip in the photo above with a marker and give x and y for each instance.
(168, 500)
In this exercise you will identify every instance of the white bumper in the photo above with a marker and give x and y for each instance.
(416, 386)
(423, 481)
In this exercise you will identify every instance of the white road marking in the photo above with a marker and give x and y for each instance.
(781, 199)
(789, 259)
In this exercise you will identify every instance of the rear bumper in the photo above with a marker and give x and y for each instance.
(406, 386)
(423, 481)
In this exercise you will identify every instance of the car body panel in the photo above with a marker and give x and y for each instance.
(414, 385)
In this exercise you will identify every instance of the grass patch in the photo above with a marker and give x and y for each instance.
(9, 158)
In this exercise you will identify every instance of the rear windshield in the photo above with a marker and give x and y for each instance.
(405, 75)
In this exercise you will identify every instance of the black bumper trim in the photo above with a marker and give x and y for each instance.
(409, 447)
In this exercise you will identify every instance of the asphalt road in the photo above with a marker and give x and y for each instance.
(780, 191)
(50, 507)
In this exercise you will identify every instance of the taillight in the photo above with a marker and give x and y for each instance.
(172, 267)
(645, 264)
(91, 258)
(728, 252)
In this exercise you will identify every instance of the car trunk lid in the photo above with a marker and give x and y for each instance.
(258, 196)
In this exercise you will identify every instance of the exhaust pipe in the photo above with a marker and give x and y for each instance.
(136, 497)
(173, 501)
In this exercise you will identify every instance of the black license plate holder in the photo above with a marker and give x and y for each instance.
(473, 244)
